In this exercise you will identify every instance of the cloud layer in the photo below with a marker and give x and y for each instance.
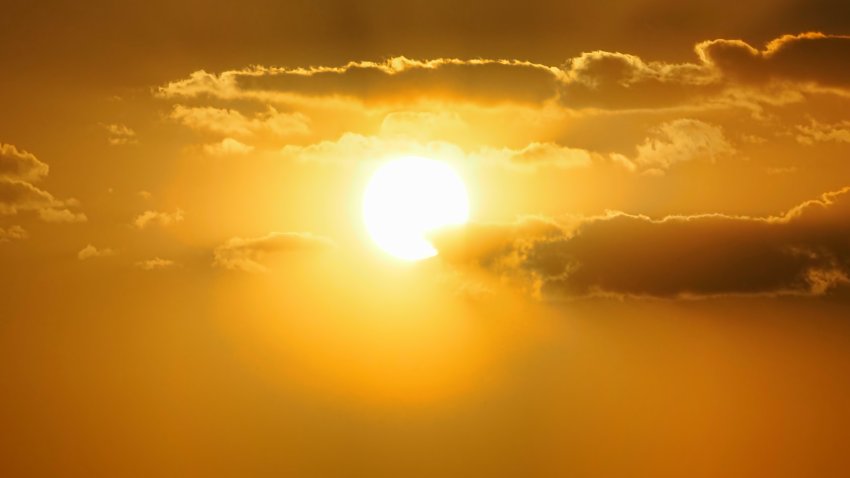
(598, 79)
(805, 251)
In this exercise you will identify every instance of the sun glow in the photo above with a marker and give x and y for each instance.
(409, 197)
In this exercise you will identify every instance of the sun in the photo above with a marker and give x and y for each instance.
(408, 197)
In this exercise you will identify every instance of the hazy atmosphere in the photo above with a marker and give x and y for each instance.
(425, 239)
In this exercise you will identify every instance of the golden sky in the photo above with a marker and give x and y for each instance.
(654, 279)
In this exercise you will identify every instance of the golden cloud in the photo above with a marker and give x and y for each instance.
(817, 132)
(247, 254)
(804, 251)
(678, 141)
(156, 263)
(536, 155)
(598, 79)
(20, 165)
(231, 122)
(14, 232)
(811, 57)
(91, 251)
(120, 134)
(227, 147)
(18, 170)
(19, 196)
(393, 80)
(158, 218)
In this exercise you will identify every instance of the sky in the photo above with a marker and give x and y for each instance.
(654, 279)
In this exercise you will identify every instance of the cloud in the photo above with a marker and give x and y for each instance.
(537, 155)
(59, 214)
(12, 233)
(247, 254)
(18, 196)
(596, 79)
(811, 57)
(804, 251)
(678, 141)
(227, 147)
(91, 251)
(613, 80)
(18, 170)
(119, 134)
(396, 79)
(158, 218)
(352, 147)
(773, 171)
(231, 122)
(155, 264)
(20, 165)
(423, 125)
(817, 132)
(669, 143)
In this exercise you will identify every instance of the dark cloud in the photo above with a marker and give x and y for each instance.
(116, 43)
(805, 251)
(807, 57)
(619, 81)
(247, 254)
(396, 79)
(596, 79)
(402, 79)
(19, 196)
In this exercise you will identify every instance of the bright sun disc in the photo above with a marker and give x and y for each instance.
(409, 197)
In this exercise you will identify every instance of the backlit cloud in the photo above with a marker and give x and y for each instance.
(158, 218)
(90, 251)
(230, 122)
(156, 263)
(597, 79)
(247, 254)
(227, 147)
(804, 251)
(678, 141)
(20, 165)
(20, 196)
(120, 134)
(352, 147)
(808, 58)
(18, 170)
(397, 79)
(817, 132)
(537, 155)
(12, 233)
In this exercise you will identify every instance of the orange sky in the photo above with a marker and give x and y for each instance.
(653, 282)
